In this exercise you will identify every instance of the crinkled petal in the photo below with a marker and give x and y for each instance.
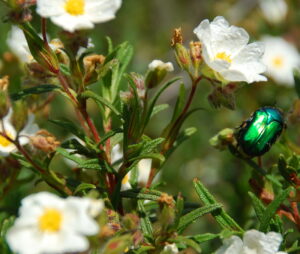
(50, 8)
(78, 216)
(144, 167)
(233, 245)
(71, 23)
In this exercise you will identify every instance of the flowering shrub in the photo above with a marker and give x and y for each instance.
(81, 169)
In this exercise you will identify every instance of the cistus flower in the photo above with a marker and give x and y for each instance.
(281, 58)
(226, 51)
(274, 11)
(253, 242)
(50, 224)
(158, 64)
(6, 146)
(74, 15)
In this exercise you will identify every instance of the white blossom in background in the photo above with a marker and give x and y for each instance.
(254, 242)
(50, 224)
(226, 51)
(281, 58)
(158, 64)
(74, 15)
(143, 168)
(7, 147)
(274, 11)
(170, 249)
(17, 43)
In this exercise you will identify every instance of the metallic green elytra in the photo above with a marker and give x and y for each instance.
(257, 134)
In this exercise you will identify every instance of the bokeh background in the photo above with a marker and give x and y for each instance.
(148, 26)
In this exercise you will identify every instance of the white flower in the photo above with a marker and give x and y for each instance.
(143, 168)
(281, 58)
(74, 15)
(17, 43)
(6, 147)
(170, 249)
(49, 224)
(274, 11)
(226, 51)
(254, 242)
(155, 64)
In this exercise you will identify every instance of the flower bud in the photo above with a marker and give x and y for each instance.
(45, 141)
(40, 50)
(224, 138)
(157, 72)
(183, 57)
(4, 97)
(19, 117)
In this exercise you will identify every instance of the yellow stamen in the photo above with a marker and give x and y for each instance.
(75, 7)
(125, 179)
(51, 220)
(224, 56)
(4, 142)
(277, 61)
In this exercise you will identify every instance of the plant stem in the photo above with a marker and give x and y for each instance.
(44, 30)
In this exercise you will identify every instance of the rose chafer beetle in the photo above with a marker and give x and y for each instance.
(257, 134)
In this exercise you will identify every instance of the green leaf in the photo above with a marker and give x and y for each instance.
(155, 98)
(5, 225)
(186, 242)
(204, 237)
(69, 126)
(272, 208)
(158, 109)
(189, 218)
(224, 220)
(143, 249)
(144, 194)
(65, 69)
(297, 82)
(145, 221)
(258, 206)
(83, 187)
(180, 102)
(179, 210)
(101, 100)
(46, 88)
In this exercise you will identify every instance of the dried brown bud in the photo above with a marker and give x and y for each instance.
(166, 199)
(195, 49)
(4, 82)
(45, 141)
(177, 37)
(91, 66)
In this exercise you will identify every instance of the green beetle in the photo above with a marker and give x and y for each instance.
(257, 134)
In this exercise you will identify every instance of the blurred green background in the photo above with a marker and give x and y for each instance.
(148, 26)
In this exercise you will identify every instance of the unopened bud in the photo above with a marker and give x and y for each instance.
(40, 50)
(183, 57)
(177, 37)
(157, 72)
(224, 138)
(45, 141)
(4, 97)
(19, 117)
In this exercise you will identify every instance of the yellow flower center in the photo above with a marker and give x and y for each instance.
(74, 7)
(3, 141)
(277, 61)
(125, 179)
(50, 220)
(224, 56)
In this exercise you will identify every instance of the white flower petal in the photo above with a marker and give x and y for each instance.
(71, 23)
(274, 11)
(50, 8)
(233, 245)
(144, 168)
(79, 217)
